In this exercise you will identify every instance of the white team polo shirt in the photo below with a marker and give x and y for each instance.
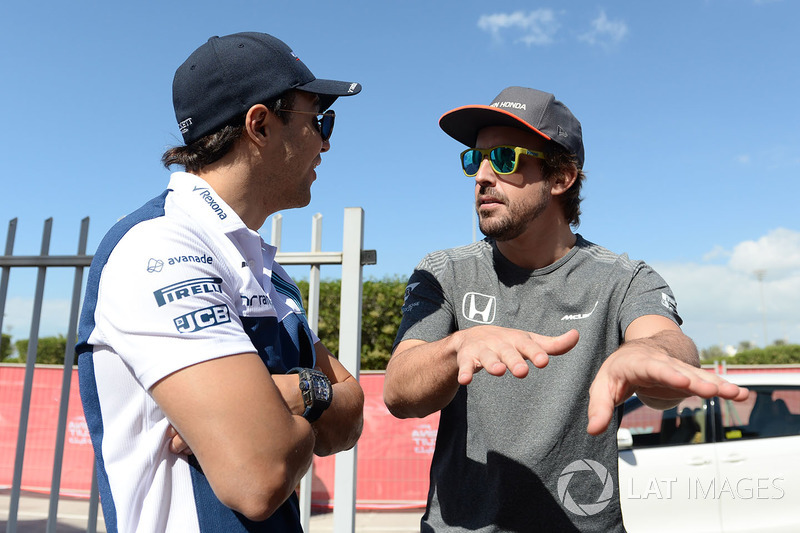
(180, 281)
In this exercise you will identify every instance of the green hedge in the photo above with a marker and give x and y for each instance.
(380, 317)
(49, 351)
(5, 346)
(771, 355)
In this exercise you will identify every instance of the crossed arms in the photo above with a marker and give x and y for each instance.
(246, 429)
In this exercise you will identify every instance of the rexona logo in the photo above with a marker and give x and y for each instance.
(191, 259)
(189, 287)
(211, 201)
(202, 319)
(603, 477)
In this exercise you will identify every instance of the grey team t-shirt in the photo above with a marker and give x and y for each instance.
(513, 454)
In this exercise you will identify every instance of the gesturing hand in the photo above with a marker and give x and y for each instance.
(659, 380)
(498, 349)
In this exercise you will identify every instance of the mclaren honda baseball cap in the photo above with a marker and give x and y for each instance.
(227, 75)
(518, 107)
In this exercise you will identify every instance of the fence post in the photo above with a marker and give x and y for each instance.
(344, 507)
(27, 389)
(66, 381)
(313, 323)
(12, 230)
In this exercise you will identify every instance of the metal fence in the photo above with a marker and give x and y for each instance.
(352, 258)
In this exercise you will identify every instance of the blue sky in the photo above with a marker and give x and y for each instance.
(689, 112)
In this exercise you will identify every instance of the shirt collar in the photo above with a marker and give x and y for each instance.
(204, 204)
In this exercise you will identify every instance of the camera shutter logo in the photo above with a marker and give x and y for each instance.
(585, 509)
(479, 308)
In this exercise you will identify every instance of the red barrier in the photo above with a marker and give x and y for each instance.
(37, 468)
(393, 456)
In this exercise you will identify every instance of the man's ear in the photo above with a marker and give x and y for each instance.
(258, 123)
(561, 183)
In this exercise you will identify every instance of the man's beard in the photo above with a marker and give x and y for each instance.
(515, 220)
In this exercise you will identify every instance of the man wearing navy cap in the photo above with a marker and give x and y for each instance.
(205, 391)
(511, 437)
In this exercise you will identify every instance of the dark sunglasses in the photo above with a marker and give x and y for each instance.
(504, 158)
(323, 121)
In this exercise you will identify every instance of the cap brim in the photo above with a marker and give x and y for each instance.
(464, 123)
(330, 90)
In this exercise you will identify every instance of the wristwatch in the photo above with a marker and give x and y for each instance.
(316, 389)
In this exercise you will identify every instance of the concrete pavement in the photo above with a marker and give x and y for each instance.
(73, 517)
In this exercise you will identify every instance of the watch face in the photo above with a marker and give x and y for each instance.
(321, 389)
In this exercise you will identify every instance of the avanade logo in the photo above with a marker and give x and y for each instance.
(206, 259)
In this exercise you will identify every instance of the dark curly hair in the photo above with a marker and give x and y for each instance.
(557, 163)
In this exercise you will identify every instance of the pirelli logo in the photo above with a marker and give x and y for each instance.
(202, 319)
(189, 287)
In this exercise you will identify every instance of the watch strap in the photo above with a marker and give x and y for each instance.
(311, 382)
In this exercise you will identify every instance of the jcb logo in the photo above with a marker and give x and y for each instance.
(479, 308)
(202, 319)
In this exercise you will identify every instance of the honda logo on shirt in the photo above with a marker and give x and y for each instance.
(479, 307)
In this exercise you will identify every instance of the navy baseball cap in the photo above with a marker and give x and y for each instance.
(522, 108)
(227, 75)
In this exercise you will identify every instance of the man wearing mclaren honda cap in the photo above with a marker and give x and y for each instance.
(528, 340)
(205, 391)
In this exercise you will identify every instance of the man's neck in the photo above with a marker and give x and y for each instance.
(540, 245)
(235, 181)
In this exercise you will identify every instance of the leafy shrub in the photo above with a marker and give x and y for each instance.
(380, 317)
(776, 354)
(49, 351)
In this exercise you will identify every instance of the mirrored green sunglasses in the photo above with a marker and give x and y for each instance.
(504, 158)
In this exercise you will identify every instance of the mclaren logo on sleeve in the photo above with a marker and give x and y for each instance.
(479, 308)
(202, 319)
(669, 302)
(189, 287)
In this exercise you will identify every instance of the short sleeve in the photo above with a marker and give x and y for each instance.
(427, 312)
(163, 305)
(648, 294)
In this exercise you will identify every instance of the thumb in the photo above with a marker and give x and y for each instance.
(561, 344)
(601, 406)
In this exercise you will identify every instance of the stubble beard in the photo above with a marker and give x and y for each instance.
(511, 224)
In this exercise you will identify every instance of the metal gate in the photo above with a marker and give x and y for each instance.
(352, 258)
